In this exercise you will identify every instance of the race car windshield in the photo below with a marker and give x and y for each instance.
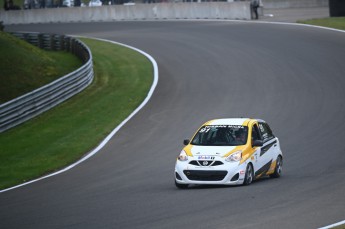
(221, 135)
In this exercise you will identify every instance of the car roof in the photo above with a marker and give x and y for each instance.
(232, 121)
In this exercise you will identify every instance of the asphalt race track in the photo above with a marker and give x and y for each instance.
(290, 76)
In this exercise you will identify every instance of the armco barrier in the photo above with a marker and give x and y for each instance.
(42, 99)
(203, 10)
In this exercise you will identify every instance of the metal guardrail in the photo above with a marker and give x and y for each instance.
(25, 107)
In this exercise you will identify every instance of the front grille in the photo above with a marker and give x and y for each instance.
(209, 163)
(204, 175)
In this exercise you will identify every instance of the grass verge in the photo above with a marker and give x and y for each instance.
(333, 22)
(35, 68)
(61, 136)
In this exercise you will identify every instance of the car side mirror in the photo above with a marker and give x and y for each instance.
(186, 142)
(257, 143)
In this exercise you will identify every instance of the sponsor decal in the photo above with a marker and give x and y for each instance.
(263, 169)
(206, 158)
(264, 149)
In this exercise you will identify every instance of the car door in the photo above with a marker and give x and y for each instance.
(268, 151)
(256, 136)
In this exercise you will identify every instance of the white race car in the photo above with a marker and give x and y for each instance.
(229, 152)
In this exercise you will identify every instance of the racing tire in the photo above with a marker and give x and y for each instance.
(278, 169)
(249, 177)
(181, 186)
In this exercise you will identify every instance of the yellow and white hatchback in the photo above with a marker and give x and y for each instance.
(229, 152)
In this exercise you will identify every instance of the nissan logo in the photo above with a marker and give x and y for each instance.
(204, 163)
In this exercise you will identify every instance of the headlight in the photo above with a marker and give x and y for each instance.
(183, 156)
(237, 156)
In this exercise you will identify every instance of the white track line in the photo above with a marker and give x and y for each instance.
(333, 225)
(107, 139)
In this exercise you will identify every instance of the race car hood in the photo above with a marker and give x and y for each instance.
(219, 151)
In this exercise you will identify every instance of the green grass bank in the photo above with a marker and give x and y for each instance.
(24, 67)
(64, 134)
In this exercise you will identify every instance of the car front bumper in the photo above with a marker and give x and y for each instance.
(229, 173)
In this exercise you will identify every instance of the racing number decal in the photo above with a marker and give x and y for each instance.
(204, 130)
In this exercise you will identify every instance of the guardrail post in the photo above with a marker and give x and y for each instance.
(62, 42)
(68, 44)
(40, 41)
(52, 42)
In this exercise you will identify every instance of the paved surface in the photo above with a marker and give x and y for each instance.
(291, 76)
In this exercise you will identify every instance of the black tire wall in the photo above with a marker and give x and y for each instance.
(336, 8)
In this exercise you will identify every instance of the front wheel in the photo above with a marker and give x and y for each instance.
(249, 177)
(181, 186)
(279, 167)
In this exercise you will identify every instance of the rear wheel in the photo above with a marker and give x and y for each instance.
(249, 177)
(279, 168)
(181, 186)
